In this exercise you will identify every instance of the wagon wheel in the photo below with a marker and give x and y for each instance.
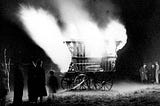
(66, 83)
(91, 84)
(98, 85)
(80, 83)
(107, 84)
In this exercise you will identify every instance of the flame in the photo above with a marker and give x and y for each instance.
(80, 26)
(115, 36)
(42, 28)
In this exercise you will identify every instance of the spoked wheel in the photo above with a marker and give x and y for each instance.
(80, 83)
(107, 84)
(98, 85)
(66, 83)
(91, 84)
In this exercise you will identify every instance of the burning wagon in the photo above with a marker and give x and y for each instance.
(88, 72)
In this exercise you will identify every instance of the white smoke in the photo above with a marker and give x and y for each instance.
(43, 29)
(80, 26)
(115, 33)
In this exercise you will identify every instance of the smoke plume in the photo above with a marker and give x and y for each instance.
(43, 29)
(79, 25)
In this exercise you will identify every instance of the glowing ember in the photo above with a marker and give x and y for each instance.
(43, 29)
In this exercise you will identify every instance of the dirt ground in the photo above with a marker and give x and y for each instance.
(122, 94)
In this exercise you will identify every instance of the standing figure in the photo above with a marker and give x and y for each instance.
(153, 70)
(143, 73)
(32, 83)
(157, 72)
(40, 81)
(150, 72)
(18, 85)
(3, 89)
(52, 84)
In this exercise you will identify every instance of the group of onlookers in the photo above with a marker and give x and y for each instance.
(149, 72)
(36, 83)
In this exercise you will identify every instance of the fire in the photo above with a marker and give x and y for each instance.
(80, 26)
(115, 36)
(43, 29)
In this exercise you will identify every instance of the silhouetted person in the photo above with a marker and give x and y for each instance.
(149, 71)
(18, 85)
(143, 73)
(32, 83)
(3, 89)
(40, 81)
(153, 71)
(52, 84)
(157, 72)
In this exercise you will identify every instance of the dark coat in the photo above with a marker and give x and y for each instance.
(53, 83)
(40, 82)
(3, 89)
(18, 85)
(32, 87)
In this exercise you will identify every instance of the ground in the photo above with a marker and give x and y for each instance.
(122, 94)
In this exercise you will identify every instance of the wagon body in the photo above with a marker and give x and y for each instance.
(87, 71)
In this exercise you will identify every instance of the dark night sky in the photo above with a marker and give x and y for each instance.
(142, 24)
(140, 17)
